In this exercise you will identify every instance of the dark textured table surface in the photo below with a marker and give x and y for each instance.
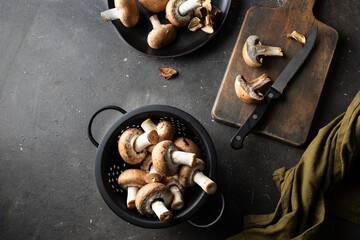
(60, 62)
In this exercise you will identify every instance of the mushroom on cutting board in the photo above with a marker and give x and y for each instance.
(180, 12)
(187, 145)
(167, 158)
(154, 6)
(164, 129)
(151, 174)
(154, 198)
(188, 176)
(161, 35)
(125, 10)
(247, 90)
(133, 142)
(131, 180)
(177, 190)
(253, 51)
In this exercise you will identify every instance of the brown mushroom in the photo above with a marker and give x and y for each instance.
(180, 12)
(164, 129)
(125, 10)
(253, 51)
(167, 158)
(151, 174)
(133, 142)
(161, 35)
(131, 180)
(187, 145)
(177, 190)
(154, 198)
(154, 6)
(247, 90)
(188, 176)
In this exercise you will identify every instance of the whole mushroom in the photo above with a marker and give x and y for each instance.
(247, 90)
(154, 6)
(133, 142)
(177, 190)
(188, 176)
(180, 12)
(131, 180)
(161, 35)
(164, 129)
(167, 158)
(154, 198)
(187, 145)
(125, 10)
(253, 51)
(151, 174)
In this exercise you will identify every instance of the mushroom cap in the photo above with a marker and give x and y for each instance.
(186, 173)
(246, 90)
(173, 15)
(249, 52)
(162, 160)
(132, 178)
(165, 130)
(187, 145)
(129, 12)
(126, 146)
(154, 6)
(150, 192)
(161, 36)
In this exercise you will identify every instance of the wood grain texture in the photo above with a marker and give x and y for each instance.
(289, 118)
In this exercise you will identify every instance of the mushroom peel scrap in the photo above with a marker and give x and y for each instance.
(177, 190)
(188, 176)
(131, 180)
(126, 11)
(167, 158)
(253, 51)
(180, 12)
(246, 90)
(164, 129)
(154, 198)
(132, 144)
(161, 35)
(151, 174)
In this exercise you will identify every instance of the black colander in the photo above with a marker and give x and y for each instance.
(109, 164)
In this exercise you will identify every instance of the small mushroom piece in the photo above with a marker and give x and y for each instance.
(125, 10)
(133, 142)
(131, 180)
(187, 145)
(195, 24)
(164, 129)
(247, 90)
(151, 174)
(188, 176)
(177, 190)
(154, 198)
(253, 51)
(297, 36)
(161, 35)
(200, 12)
(154, 6)
(167, 158)
(180, 12)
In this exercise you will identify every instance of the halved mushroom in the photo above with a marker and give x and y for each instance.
(154, 198)
(131, 180)
(247, 90)
(154, 6)
(125, 10)
(161, 35)
(180, 12)
(133, 142)
(187, 145)
(177, 190)
(167, 158)
(188, 176)
(151, 174)
(253, 51)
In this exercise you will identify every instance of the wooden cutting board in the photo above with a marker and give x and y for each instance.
(289, 118)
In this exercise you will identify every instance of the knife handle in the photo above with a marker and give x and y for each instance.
(254, 118)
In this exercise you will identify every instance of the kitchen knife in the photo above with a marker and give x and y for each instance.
(274, 92)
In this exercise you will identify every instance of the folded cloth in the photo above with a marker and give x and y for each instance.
(301, 208)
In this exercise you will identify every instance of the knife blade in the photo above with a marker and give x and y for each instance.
(274, 91)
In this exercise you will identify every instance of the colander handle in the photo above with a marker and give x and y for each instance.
(90, 135)
(216, 220)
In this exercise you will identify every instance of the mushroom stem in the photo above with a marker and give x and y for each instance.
(183, 158)
(262, 50)
(178, 201)
(146, 139)
(148, 125)
(188, 6)
(161, 211)
(111, 14)
(155, 22)
(131, 196)
(208, 185)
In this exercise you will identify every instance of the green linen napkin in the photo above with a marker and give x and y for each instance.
(301, 208)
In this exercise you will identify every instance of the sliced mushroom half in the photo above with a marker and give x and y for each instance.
(247, 90)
